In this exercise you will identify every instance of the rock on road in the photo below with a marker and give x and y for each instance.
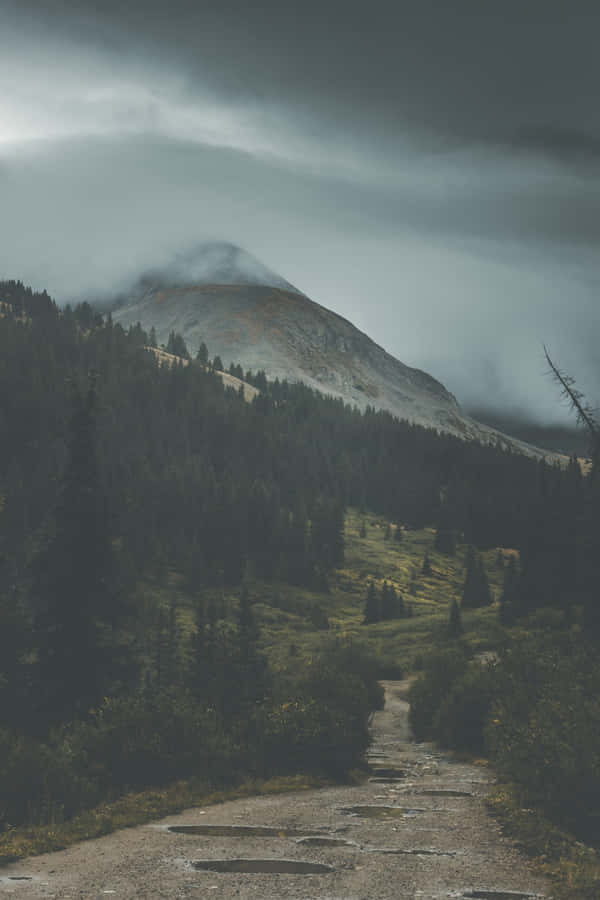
(419, 830)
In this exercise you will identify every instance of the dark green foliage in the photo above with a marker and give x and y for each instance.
(440, 671)
(476, 590)
(372, 606)
(544, 730)
(455, 626)
(177, 346)
(445, 541)
(398, 534)
(446, 537)
(363, 529)
(318, 618)
(202, 354)
(509, 601)
(383, 605)
(452, 700)
(217, 364)
(76, 590)
(462, 715)
(426, 567)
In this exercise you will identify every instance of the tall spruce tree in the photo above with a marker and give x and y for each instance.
(426, 567)
(509, 601)
(455, 626)
(75, 589)
(372, 606)
(476, 589)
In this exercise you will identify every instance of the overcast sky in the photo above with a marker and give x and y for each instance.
(428, 169)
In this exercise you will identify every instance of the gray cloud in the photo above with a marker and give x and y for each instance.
(428, 170)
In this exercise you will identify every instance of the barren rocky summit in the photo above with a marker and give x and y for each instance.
(247, 314)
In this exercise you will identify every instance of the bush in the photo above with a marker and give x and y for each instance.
(324, 728)
(440, 670)
(462, 716)
(39, 783)
(544, 732)
(137, 740)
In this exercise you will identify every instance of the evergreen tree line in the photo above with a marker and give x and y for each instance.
(385, 604)
(115, 471)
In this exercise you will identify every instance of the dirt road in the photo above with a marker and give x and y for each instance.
(417, 829)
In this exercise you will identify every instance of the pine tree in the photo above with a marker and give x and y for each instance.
(202, 355)
(75, 583)
(363, 529)
(400, 606)
(455, 626)
(217, 364)
(252, 664)
(153, 337)
(476, 590)
(372, 606)
(398, 534)
(445, 541)
(509, 601)
(426, 568)
(177, 346)
(388, 601)
(388, 532)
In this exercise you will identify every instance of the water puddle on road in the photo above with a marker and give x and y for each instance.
(485, 894)
(388, 772)
(242, 830)
(262, 866)
(439, 792)
(325, 842)
(387, 779)
(411, 852)
(383, 812)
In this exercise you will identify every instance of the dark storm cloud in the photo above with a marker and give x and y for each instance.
(428, 169)
(461, 71)
(568, 146)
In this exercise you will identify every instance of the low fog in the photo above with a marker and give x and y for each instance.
(430, 173)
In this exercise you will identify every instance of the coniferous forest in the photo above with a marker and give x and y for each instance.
(117, 469)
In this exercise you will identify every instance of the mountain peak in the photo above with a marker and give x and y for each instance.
(214, 262)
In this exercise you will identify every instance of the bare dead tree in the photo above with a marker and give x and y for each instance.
(586, 415)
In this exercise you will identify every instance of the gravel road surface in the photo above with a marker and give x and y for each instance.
(417, 829)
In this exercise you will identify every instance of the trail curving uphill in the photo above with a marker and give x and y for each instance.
(417, 829)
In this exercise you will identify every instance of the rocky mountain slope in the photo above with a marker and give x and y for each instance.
(249, 315)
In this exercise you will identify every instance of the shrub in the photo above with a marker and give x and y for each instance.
(440, 670)
(462, 716)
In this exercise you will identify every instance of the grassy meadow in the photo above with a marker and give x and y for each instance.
(297, 622)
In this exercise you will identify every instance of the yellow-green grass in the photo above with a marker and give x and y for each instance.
(289, 636)
(573, 867)
(138, 809)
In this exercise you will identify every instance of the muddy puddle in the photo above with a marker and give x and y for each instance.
(388, 772)
(242, 831)
(393, 851)
(383, 812)
(262, 866)
(491, 894)
(325, 842)
(438, 792)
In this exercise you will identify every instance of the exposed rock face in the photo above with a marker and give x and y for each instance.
(272, 326)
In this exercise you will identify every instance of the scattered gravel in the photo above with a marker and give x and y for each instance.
(451, 848)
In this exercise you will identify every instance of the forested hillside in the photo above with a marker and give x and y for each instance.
(118, 474)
